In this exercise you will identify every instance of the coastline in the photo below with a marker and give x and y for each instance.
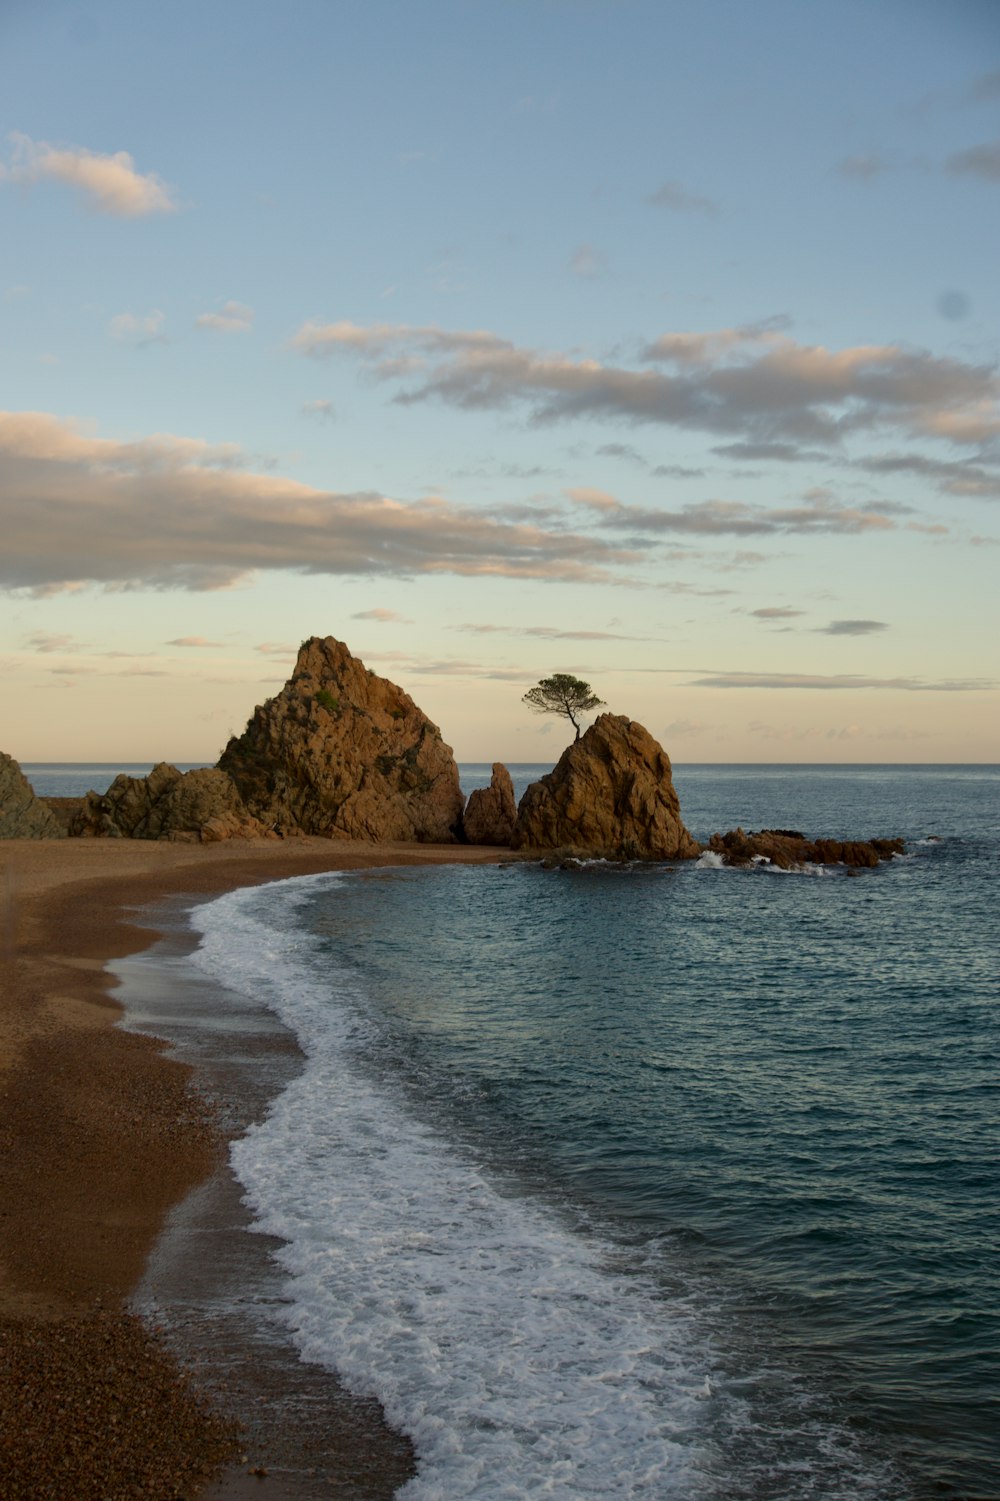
(101, 1137)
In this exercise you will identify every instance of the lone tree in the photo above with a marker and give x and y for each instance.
(563, 694)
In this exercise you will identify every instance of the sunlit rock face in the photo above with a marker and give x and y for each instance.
(345, 753)
(22, 814)
(610, 796)
(167, 804)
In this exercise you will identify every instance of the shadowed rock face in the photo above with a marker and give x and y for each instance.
(790, 850)
(167, 804)
(344, 753)
(611, 796)
(491, 811)
(22, 814)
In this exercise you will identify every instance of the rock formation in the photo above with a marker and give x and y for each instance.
(168, 804)
(491, 812)
(611, 795)
(790, 850)
(22, 814)
(345, 753)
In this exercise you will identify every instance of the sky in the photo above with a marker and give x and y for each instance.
(657, 343)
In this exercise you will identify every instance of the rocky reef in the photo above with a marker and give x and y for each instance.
(611, 795)
(168, 804)
(491, 812)
(790, 850)
(345, 753)
(22, 814)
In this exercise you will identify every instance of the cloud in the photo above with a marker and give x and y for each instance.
(680, 728)
(755, 383)
(44, 642)
(776, 612)
(978, 161)
(192, 641)
(110, 183)
(277, 649)
(864, 167)
(819, 513)
(677, 198)
(321, 409)
(130, 328)
(174, 512)
(954, 477)
(234, 318)
(545, 633)
(853, 627)
(841, 681)
(384, 617)
(587, 262)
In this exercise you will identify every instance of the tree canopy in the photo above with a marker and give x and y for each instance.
(563, 694)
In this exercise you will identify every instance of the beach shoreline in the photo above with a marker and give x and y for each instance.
(102, 1136)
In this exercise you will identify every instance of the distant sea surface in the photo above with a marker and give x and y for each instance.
(650, 1181)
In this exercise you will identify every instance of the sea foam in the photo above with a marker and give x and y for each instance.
(507, 1344)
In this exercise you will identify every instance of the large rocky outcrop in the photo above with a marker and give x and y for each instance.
(345, 753)
(790, 850)
(22, 814)
(168, 804)
(611, 795)
(491, 812)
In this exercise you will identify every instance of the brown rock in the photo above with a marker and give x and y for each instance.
(491, 812)
(167, 804)
(790, 850)
(22, 814)
(344, 753)
(610, 796)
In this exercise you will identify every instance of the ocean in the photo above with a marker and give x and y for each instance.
(651, 1181)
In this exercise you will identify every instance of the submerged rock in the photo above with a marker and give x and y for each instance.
(491, 812)
(345, 753)
(790, 850)
(22, 814)
(610, 796)
(168, 804)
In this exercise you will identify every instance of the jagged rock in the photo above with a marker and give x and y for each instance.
(491, 812)
(344, 753)
(168, 804)
(610, 796)
(790, 850)
(22, 814)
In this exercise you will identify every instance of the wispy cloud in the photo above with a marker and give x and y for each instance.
(853, 627)
(174, 512)
(977, 161)
(320, 409)
(110, 183)
(819, 513)
(673, 195)
(139, 329)
(840, 681)
(588, 262)
(864, 167)
(44, 641)
(755, 382)
(232, 318)
(776, 612)
(198, 641)
(384, 617)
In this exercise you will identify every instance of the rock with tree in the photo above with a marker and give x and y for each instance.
(22, 814)
(491, 812)
(611, 796)
(565, 695)
(347, 754)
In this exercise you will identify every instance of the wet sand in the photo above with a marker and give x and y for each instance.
(101, 1137)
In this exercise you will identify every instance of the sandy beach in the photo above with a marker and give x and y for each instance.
(100, 1135)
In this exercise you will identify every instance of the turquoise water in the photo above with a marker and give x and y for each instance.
(762, 1107)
